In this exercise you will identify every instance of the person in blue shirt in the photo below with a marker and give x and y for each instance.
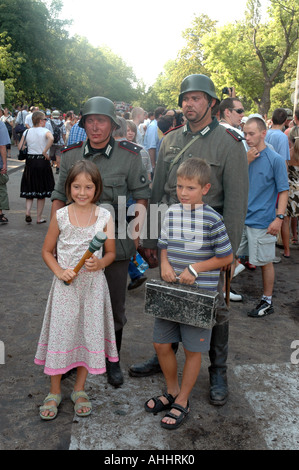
(77, 134)
(267, 179)
(276, 136)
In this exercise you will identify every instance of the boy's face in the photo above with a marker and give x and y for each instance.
(253, 135)
(190, 192)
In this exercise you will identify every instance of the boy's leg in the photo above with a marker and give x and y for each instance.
(268, 276)
(264, 245)
(168, 363)
(190, 374)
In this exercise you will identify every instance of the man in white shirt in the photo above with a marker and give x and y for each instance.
(28, 119)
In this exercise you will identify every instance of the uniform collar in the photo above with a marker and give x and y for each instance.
(203, 132)
(106, 151)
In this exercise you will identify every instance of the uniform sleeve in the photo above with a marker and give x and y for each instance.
(59, 189)
(138, 182)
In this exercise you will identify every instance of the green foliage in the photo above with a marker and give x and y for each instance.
(258, 57)
(41, 64)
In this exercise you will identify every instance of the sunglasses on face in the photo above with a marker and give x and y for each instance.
(238, 110)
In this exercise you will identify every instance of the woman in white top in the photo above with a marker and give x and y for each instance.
(37, 180)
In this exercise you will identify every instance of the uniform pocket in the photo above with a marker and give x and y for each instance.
(113, 187)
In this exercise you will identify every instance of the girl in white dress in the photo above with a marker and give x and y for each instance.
(78, 328)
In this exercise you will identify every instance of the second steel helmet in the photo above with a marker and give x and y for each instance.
(197, 82)
(99, 105)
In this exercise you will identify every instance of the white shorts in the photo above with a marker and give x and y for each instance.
(258, 245)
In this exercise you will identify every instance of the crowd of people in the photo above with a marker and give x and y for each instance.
(205, 161)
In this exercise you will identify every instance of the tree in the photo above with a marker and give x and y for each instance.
(54, 70)
(37, 38)
(189, 61)
(253, 55)
(10, 63)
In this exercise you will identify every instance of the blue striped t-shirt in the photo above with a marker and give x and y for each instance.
(194, 235)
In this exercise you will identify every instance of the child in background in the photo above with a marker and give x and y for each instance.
(78, 327)
(194, 247)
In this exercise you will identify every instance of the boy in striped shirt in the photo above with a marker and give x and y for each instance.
(194, 247)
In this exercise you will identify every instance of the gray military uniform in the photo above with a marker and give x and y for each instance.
(229, 174)
(123, 175)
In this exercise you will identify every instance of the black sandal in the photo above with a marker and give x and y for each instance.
(159, 405)
(3, 219)
(178, 418)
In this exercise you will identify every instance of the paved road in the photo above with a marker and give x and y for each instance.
(262, 410)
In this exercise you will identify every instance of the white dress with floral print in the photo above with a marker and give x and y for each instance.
(78, 327)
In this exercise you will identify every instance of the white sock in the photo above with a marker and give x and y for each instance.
(267, 298)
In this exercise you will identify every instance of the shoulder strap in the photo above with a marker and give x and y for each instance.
(75, 145)
(235, 134)
(175, 160)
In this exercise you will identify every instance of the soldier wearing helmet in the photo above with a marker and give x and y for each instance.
(123, 175)
(203, 137)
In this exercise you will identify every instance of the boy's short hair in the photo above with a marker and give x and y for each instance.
(90, 169)
(261, 125)
(279, 116)
(195, 168)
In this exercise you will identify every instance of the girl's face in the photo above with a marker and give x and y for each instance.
(83, 190)
(130, 134)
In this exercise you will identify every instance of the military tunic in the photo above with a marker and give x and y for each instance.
(229, 174)
(123, 175)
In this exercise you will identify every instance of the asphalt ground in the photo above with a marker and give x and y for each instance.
(263, 371)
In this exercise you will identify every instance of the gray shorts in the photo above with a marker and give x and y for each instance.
(193, 339)
(258, 245)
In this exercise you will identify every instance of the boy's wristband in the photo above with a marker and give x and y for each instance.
(192, 270)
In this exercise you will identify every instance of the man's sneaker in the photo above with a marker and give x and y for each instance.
(233, 296)
(261, 310)
(240, 267)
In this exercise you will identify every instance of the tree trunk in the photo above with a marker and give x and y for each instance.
(265, 101)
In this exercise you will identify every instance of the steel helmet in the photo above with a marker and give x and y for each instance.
(99, 105)
(197, 82)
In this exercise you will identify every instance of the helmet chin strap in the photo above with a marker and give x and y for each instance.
(208, 107)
